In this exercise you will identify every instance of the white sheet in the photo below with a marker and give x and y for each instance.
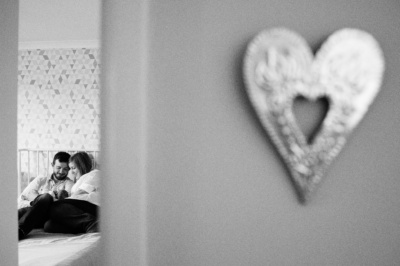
(47, 249)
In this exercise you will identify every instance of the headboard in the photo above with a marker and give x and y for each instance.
(34, 162)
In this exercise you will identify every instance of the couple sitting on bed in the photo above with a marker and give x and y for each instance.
(56, 203)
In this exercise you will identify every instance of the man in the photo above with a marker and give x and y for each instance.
(34, 202)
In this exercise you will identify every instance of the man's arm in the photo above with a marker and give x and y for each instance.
(32, 190)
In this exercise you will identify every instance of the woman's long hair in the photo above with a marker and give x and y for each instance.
(82, 161)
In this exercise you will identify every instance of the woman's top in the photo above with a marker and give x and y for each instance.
(87, 188)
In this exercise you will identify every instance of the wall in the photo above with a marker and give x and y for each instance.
(58, 75)
(123, 130)
(215, 191)
(59, 99)
(8, 132)
(59, 21)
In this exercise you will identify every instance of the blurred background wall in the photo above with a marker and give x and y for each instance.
(217, 191)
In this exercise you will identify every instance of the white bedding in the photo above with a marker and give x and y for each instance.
(47, 249)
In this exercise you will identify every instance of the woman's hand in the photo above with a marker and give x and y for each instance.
(80, 192)
(62, 194)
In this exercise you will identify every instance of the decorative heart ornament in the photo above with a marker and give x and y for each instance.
(279, 67)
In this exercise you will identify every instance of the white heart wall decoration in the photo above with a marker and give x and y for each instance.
(279, 66)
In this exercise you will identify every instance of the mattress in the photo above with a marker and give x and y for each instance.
(47, 249)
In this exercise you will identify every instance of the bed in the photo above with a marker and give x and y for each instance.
(50, 249)
(45, 249)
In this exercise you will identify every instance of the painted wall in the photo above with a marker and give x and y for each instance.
(8, 132)
(215, 191)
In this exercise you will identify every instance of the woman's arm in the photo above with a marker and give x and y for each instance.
(88, 185)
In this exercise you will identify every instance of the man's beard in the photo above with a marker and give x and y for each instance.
(59, 176)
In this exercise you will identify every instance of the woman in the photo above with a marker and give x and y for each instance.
(79, 212)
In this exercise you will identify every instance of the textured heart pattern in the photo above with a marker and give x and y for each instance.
(279, 66)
